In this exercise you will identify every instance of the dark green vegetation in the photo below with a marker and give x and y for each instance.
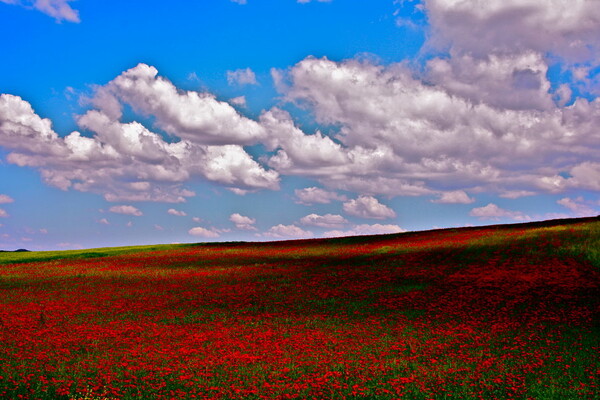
(491, 312)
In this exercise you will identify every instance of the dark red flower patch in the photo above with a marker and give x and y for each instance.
(468, 313)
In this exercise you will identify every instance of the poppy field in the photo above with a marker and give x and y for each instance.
(498, 312)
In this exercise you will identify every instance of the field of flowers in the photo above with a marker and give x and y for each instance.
(499, 312)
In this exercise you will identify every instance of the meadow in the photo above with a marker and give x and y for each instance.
(497, 312)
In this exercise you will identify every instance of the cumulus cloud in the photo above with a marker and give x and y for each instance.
(195, 116)
(243, 222)
(178, 213)
(308, 1)
(203, 232)
(240, 1)
(578, 206)
(58, 9)
(103, 221)
(493, 212)
(287, 231)
(315, 195)
(366, 229)
(3, 213)
(4, 199)
(511, 29)
(324, 221)
(570, 27)
(368, 207)
(483, 116)
(585, 175)
(442, 131)
(127, 161)
(241, 77)
(298, 152)
(127, 210)
(454, 197)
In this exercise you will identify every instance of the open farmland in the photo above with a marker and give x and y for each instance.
(490, 312)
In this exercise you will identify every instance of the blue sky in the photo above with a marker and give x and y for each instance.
(137, 122)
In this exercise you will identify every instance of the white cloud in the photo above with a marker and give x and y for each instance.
(368, 207)
(515, 194)
(243, 222)
(196, 219)
(3, 213)
(403, 133)
(195, 116)
(308, 1)
(514, 82)
(126, 161)
(483, 117)
(58, 9)
(200, 231)
(366, 229)
(241, 77)
(158, 227)
(127, 210)
(67, 245)
(4, 199)
(299, 152)
(324, 221)
(287, 231)
(454, 197)
(103, 221)
(578, 206)
(585, 175)
(512, 28)
(239, 101)
(570, 27)
(178, 213)
(315, 195)
(240, 1)
(493, 212)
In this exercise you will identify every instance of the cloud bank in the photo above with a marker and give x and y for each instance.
(475, 114)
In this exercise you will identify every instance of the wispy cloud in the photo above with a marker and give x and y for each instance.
(241, 77)
(58, 9)
(578, 206)
(4, 199)
(178, 213)
(315, 195)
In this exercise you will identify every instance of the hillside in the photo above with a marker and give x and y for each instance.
(505, 311)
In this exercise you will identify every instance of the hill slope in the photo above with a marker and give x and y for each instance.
(490, 312)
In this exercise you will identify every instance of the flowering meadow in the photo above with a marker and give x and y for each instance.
(498, 312)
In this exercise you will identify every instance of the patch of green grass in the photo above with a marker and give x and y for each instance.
(41, 256)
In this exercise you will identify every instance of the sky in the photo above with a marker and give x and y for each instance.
(145, 122)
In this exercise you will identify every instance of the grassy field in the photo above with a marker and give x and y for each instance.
(499, 312)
